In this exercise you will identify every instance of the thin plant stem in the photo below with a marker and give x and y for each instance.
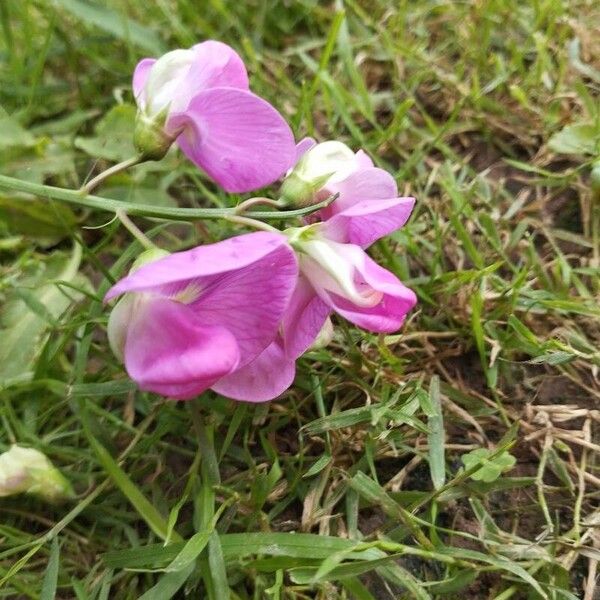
(135, 231)
(167, 213)
(246, 204)
(251, 223)
(122, 166)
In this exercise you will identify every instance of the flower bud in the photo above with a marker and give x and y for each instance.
(328, 162)
(148, 256)
(150, 138)
(25, 470)
(160, 96)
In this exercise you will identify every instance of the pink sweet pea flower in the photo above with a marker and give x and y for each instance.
(189, 321)
(200, 97)
(367, 208)
(336, 274)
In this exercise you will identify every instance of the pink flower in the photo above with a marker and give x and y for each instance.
(200, 97)
(189, 321)
(336, 274)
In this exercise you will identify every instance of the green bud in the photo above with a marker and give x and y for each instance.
(324, 163)
(149, 136)
(295, 191)
(299, 192)
(148, 256)
(25, 470)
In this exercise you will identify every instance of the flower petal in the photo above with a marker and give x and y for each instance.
(243, 284)
(216, 65)
(168, 83)
(303, 146)
(364, 160)
(211, 259)
(263, 379)
(250, 302)
(367, 184)
(385, 316)
(169, 351)
(140, 77)
(368, 220)
(303, 319)
(239, 139)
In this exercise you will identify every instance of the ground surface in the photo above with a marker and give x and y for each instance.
(471, 105)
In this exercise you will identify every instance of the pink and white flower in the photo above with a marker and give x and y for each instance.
(336, 274)
(189, 321)
(200, 98)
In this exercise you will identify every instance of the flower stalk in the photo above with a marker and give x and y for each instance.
(135, 231)
(110, 205)
(87, 188)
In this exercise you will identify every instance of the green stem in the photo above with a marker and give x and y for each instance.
(251, 223)
(92, 183)
(135, 231)
(246, 204)
(143, 210)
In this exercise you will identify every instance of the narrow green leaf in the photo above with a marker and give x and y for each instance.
(190, 551)
(321, 463)
(142, 505)
(436, 436)
(216, 562)
(239, 545)
(168, 585)
(50, 581)
(357, 589)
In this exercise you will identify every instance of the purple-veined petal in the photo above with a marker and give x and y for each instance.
(243, 284)
(367, 184)
(169, 351)
(250, 302)
(265, 378)
(239, 139)
(369, 220)
(216, 65)
(211, 259)
(272, 372)
(140, 77)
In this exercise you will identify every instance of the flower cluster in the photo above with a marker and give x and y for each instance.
(235, 316)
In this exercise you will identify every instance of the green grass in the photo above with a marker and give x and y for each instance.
(352, 484)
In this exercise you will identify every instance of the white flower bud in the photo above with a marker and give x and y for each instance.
(163, 87)
(162, 94)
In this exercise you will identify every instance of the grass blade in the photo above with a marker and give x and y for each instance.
(436, 436)
(50, 581)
